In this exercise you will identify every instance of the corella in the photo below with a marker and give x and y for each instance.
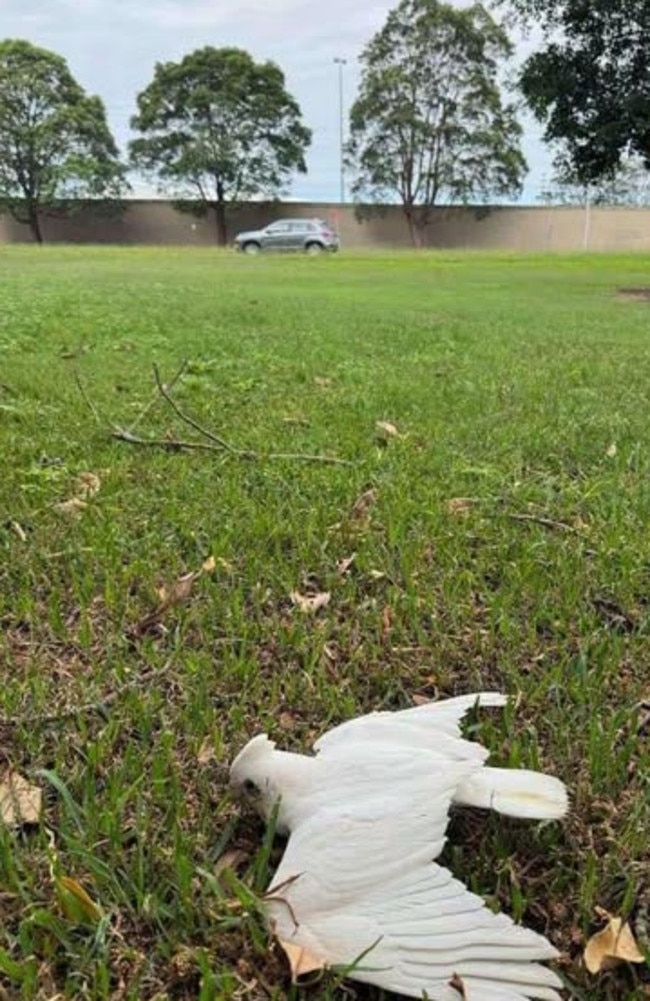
(358, 888)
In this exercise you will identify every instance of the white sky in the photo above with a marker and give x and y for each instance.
(112, 45)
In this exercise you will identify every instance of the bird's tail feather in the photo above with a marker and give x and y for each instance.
(515, 792)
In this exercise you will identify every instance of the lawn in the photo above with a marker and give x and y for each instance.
(500, 540)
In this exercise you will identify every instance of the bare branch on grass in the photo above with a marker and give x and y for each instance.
(214, 442)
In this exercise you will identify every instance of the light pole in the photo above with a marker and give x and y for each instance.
(341, 63)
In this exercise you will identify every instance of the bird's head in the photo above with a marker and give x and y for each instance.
(251, 775)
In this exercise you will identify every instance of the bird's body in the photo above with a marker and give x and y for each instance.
(358, 888)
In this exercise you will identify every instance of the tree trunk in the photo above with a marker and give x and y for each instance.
(34, 222)
(414, 230)
(220, 214)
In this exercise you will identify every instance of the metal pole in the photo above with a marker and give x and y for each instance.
(341, 63)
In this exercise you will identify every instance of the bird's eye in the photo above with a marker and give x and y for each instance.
(250, 787)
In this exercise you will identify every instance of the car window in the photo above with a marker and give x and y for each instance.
(277, 227)
(300, 227)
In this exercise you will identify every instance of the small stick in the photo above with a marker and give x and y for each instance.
(545, 522)
(162, 389)
(155, 399)
(89, 403)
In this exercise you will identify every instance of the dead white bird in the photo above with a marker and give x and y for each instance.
(357, 888)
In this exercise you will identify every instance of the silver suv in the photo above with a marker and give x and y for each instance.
(313, 236)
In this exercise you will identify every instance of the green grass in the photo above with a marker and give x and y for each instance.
(510, 379)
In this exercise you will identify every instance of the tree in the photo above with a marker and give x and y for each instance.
(429, 124)
(629, 187)
(589, 83)
(217, 128)
(55, 144)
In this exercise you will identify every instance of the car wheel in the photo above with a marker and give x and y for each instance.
(313, 249)
(252, 248)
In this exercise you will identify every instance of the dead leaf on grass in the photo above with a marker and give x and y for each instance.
(322, 381)
(230, 859)
(75, 902)
(388, 429)
(87, 485)
(300, 961)
(20, 802)
(310, 602)
(206, 752)
(19, 530)
(344, 565)
(460, 506)
(614, 944)
(72, 508)
(612, 451)
(172, 596)
(362, 505)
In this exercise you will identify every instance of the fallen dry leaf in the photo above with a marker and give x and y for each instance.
(388, 429)
(300, 960)
(87, 485)
(344, 565)
(386, 622)
(19, 530)
(230, 859)
(76, 904)
(73, 508)
(460, 505)
(613, 944)
(179, 592)
(310, 602)
(20, 802)
(322, 381)
(361, 507)
(209, 565)
(612, 451)
(206, 752)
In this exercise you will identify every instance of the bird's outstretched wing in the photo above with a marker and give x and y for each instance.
(434, 726)
(356, 889)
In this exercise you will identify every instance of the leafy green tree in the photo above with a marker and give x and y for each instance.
(628, 187)
(218, 128)
(589, 82)
(55, 144)
(429, 124)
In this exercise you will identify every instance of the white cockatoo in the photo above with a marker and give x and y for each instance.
(357, 887)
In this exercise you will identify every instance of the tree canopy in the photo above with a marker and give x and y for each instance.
(429, 124)
(589, 82)
(218, 127)
(55, 144)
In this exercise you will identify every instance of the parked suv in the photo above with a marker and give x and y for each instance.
(312, 236)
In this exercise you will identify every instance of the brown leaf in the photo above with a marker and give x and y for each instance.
(73, 508)
(230, 859)
(612, 451)
(206, 752)
(179, 592)
(19, 530)
(612, 945)
(322, 381)
(209, 565)
(460, 506)
(344, 565)
(87, 485)
(20, 802)
(361, 507)
(310, 602)
(388, 429)
(76, 904)
(300, 960)
(386, 622)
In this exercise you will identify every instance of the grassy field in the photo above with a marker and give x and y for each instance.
(499, 540)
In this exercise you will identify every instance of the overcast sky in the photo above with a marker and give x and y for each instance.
(112, 45)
